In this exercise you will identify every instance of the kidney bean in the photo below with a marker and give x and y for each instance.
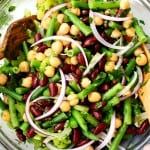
(42, 48)
(94, 74)
(81, 59)
(59, 126)
(73, 68)
(132, 130)
(78, 72)
(43, 81)
(81, 36)
(30, 133)
(101, 127)
(25, 96)
(102, 63)
(97, 115)
(104, 87)
(34, 81)
(66, 68)
(53, 89)
(125, 61)
(85, 19)
(85, 12)
(97, 47)
(36, 111)
(38, 37)
(43, 103)
(114, 82)
(107, 38)
(76, 136)
(20, 135)
(82, 142)
(89, 41)
(127, 38)
(144, 126)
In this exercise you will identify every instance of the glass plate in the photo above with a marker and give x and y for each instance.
(8, 137)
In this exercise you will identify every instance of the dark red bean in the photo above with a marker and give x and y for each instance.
(78, 72)
(89, 41)
(81, 59)
(85, 12)
(82, 142)
(81, 36)
(104, 87)
(44, 103)
(102, 63)
(76, 136)
(97, 115)
(66, 68)
(38, 37)
(25, 96)
(53, 89)
(127, 38)
(30, 133)
(85, 19)
(119, 12)
(59, 126)
(107, 38)
(97, 106)
(125, 61)
(101, 127)
(34, 81)
(97, 47)
(20, 135)
(144, 126)
(94, 74)
(43, 81)
(132, 130)
(114, 82)
(73, 68)
(42, 48)
(36, 111)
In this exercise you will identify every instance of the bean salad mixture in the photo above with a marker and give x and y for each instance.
(76, 82)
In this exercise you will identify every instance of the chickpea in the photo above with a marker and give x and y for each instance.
(48, 52)
(118, 123)
(138, 51)
(98, 21)
(74, 45)
(89, 148)
(40, 56)
(127, 24)
(57, 47)
(85, 82)
(65, 106)
(68, 60)
(94, 97)
(49, 71)
(60, 18)
(3, 79)
(27, 82)
(130, 32)
(141, 60)
(6, 115)
(113, 57)
(31, 55)
(24, 66)
(55, 62)
(74, 60)
(73, 99)
(64, 29)
(115, 34)
(5, 99)
(128, 93)
(76, 11)
(109, 66)
(74, 30)
(45, 23)
(124, 4)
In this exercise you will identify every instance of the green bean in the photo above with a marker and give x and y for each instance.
(108, 31)
(111, 103)
(72, 52)
(43, 65)
(90, 119)
(24, 126)
(21, 90)
(81, 108)
(11, 93)
(35, 64)
(88, 54)
(114, 25)
(9, 70)
(13, 113)
(90, 135)
(118, 138)
(136, 107)
(108, 115)
(72, 123)
(38, 92)
(2, 105)
(75, 87)
(79, 4)
(55, 78)
(130, 67)
(84, 93)
(69, 90)
(112, 92)
(79, 119)
(46, 92)
(25, 48)
(60, 117)
(82, 26)
(51, 27)
(20, 107)
(127, 112)
(103, 5)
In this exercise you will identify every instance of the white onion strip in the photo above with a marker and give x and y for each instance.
(103, 41)
(128, 87)
(64, 38)
(59, 100)
(111, 18)
(56, 8)
(93, 62)
(110, 133)
(119, 63)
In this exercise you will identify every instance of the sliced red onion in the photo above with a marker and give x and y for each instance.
(59, 100)
(111, 18)
(56, 8)
(64, 38)
(119, 63)
(103, 41)
(110, 133)
(69, 77)
(128, 87)
(93, 62)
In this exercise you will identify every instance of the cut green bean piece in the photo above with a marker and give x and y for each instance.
(76, 21)
(108, 116)
(24, 127)
(13, 113)
(90, 135)
(46, 92)
(79, 4)
(74, 85)
(73, 52)
(69, 90)
(112, 92)
(130, 67)
(21, 90)
(81, 108)
(2, 105)
(20, 107)
(35, 64)
(38, 92)
(55, 78)
(25, 48)
(72, 123)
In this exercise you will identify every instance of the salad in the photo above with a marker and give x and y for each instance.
(81, 79)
